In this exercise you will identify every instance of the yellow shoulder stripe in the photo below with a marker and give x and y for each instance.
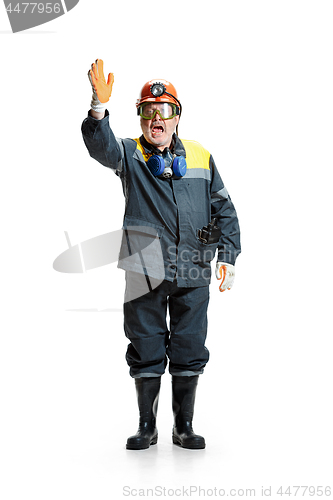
(140, 148)
(196, 155)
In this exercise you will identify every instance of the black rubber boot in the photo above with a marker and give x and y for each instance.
(147, 389)
(183, 397)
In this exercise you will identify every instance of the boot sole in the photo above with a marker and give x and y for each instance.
(190, 446)
(139, 446)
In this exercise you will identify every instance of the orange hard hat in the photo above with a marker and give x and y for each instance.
(158, 90)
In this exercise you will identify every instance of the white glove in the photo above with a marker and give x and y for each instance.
(226, 272)
(96, 105)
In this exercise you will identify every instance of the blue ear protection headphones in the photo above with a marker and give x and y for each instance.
(167, 165)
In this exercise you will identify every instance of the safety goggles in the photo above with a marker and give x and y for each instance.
(166, 110)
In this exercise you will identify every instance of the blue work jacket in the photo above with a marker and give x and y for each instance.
(163, 216)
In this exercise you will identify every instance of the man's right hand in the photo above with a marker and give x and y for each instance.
(101, 89)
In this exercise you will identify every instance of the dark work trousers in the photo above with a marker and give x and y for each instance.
(152, 342)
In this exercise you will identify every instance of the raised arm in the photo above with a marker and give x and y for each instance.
(97, 134)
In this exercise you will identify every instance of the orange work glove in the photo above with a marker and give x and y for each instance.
(226, 272)
(101, 89)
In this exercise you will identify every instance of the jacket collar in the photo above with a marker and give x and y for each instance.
(176, 147)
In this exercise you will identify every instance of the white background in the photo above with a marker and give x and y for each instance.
(255, 80)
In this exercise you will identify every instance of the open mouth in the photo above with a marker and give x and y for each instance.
(157, 130)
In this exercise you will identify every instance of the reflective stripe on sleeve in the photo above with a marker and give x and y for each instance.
(220, 195)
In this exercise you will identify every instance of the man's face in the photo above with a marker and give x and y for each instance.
(158, 131)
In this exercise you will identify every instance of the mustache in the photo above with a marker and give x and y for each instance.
(156, 123)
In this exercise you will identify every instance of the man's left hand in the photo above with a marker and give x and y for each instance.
(226, 272)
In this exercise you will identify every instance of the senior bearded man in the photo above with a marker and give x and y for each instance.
(175, 199)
